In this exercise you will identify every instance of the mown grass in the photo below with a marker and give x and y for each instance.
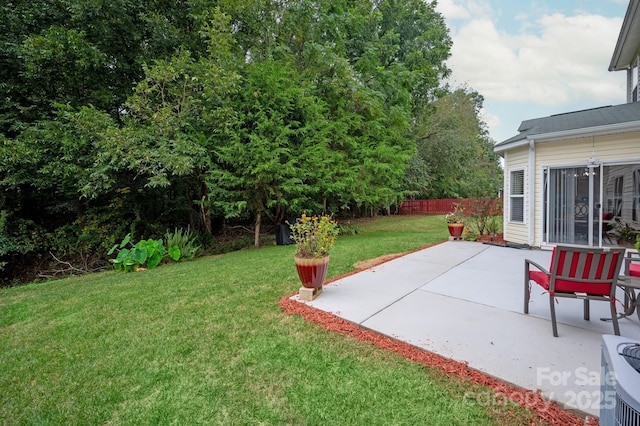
(205, 342)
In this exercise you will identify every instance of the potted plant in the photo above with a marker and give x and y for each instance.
(455, 221)
(625, 234)
(314, 237)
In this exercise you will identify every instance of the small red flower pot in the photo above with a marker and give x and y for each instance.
(312, 271)
(455, 229)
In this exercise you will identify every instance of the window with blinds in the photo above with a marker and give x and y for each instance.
(516, 196)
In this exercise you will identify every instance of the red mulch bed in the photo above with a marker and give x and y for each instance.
(548, 412)
(488, 238)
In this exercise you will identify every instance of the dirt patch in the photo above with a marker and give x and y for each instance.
(370, 263)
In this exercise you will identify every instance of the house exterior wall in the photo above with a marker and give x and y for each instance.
(624, 211)
(516, 159)
(609, 149)
(577, 151)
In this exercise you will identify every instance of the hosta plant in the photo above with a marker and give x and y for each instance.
(144, 254)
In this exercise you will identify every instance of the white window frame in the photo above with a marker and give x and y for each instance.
(618, 194)
(636, 195)
(514, 196)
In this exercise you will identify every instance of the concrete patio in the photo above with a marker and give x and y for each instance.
(464, 300)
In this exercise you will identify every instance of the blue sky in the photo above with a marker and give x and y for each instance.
(535, 58)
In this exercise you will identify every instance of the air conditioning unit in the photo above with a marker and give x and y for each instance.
(620, 382)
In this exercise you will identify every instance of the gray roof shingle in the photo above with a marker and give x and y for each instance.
(594, 117)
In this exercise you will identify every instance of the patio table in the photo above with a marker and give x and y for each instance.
(631, 300)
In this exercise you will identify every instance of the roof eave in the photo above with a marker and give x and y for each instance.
(570, 134)
(588, 131)
(628, 29)
(501, 149)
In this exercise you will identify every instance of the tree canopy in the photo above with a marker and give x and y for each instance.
(120, 116)
(454, 157)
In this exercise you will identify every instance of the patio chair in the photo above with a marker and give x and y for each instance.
(578, 273)
(632, 264)
(631, 283)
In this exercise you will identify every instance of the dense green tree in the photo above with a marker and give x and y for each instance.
(177, 115)
(268, 163)
(455, 155)
(137, 116)
(82, 52)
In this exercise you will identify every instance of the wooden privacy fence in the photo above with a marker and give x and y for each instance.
(444, 206)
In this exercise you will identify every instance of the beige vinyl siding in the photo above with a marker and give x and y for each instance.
(516, 159)
(577, 151)
(569, 152)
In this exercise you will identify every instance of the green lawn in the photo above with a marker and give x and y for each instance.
(205, 342)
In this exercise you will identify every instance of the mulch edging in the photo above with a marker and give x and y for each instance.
(548, 412)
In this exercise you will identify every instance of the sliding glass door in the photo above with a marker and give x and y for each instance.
(582, 204)
(571, 205)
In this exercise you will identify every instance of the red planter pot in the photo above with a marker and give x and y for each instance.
(312, 271)
(455, 229)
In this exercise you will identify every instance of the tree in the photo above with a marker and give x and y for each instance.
(136, 116)
(174, 120)
(82, 52)
(455, 156)
(269, 163)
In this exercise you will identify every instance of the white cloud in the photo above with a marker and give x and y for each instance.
(451, 10)
(455, 9)
(553, 61)
(570, 52)
(491, 120)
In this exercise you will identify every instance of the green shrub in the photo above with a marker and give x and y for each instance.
(469, 235)
(186, 240)
(147, 253)
(347, 229)
(493, 225)
(19, 237)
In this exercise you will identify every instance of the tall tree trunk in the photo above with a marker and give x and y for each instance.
(206, 215)
(205, 211)
(257, 229)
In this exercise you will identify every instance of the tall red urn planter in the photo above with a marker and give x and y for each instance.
(455, 229)
(312, 271)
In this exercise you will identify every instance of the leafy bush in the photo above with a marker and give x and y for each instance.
(314, 235)
(185, 240)
(469, 235)
(146, 252)
(483, 212)
(22, 238)
(493, 225)
(624, 232)
(347, 229)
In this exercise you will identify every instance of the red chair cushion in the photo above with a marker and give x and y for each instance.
(565, 286)
(634, 269)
